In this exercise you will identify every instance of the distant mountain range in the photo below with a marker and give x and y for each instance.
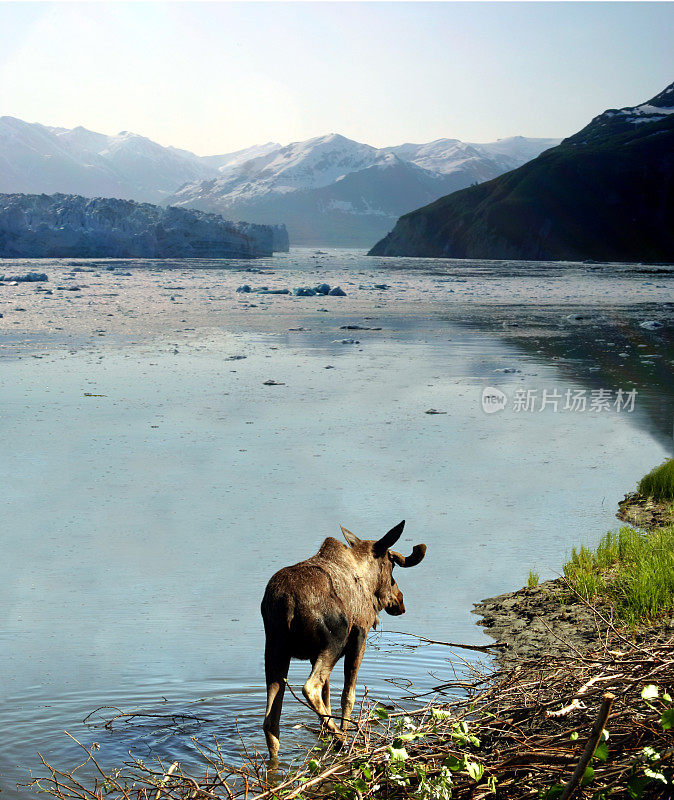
(334, 191)
(35, 158)
(329, 190)
(606, 193)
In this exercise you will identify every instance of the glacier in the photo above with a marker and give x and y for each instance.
(63, 226)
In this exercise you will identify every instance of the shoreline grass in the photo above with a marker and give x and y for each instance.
(631, 570)
(658, 484)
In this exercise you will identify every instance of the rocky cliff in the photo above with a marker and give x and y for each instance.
(63, 226)
(606, 193)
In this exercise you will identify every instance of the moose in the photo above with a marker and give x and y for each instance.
(322, 609)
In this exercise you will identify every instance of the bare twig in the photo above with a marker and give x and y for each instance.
(590, 746)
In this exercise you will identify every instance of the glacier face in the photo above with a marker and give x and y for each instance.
(62, 226)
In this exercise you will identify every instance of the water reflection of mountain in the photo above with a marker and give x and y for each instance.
(602, 349)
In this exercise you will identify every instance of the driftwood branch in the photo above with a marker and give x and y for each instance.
(480, 648)
(590, 746)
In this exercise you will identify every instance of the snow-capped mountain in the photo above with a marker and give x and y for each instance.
(334, 191)
(296, 167)
(37, 158)
(514, 151)
(447, 155)
(329, 189)
(452, 155)
(34, 159)
(626, 120)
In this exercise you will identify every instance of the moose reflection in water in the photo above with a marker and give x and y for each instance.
(322, 609)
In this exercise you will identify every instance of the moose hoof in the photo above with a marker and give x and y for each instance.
(273, 773)
(339, 739)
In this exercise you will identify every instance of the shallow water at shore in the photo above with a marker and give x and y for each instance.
(141, 522)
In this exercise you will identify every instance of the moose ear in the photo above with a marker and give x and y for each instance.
(351, 538)
(389, 539)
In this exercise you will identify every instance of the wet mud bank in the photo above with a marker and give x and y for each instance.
(544, 619)
(644, 512)
(547, 621)
(550, 620)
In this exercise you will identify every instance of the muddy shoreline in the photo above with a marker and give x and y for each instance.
(542, 619)
(548, 619)
(644, 512)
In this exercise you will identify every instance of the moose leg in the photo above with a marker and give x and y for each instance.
(326, 696)
(314, 688)
(353, 656)
(277, 663)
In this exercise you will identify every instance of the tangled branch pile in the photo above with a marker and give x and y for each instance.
(538, 728)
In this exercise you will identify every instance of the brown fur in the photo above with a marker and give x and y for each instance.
(322, 609)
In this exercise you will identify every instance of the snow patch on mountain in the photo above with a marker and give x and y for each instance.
(228, 161)
(624, 120)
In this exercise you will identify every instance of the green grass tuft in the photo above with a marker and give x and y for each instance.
(634, 571)
(659, 483)
(534, 579)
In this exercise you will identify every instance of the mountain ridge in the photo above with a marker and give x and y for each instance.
(303, 182)
(605, 193)
(300, 183)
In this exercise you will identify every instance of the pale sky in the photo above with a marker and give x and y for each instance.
(215, 77)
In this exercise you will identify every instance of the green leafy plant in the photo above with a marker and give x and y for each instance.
(462, 736)
(436, 787)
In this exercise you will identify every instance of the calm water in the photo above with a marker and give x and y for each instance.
(139, 528)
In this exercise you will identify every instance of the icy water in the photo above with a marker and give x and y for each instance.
(141, 523)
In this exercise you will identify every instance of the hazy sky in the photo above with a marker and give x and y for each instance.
(215, 77)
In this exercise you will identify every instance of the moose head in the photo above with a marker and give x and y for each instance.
(378, 560)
